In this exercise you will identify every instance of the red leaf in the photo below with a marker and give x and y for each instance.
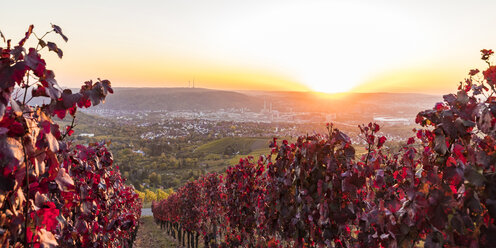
(26, 36)
(453, 189)
(53, 47)
(451, 162)
(58, 30)
(63, 180)
(381, 141)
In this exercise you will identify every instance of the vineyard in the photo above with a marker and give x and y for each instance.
(437, 190)
(53, 192)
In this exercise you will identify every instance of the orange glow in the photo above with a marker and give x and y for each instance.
(424, 80)
(174, 72)
(296, 45)
(331, 96)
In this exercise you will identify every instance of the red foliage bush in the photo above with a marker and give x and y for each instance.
(52, 192)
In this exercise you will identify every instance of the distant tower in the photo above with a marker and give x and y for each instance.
(270, 108)
(265, 105)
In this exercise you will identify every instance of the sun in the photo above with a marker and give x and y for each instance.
(333, 81)
(332, 85)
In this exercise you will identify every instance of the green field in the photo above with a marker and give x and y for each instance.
(234, 145)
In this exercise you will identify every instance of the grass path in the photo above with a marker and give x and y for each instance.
(151, 236)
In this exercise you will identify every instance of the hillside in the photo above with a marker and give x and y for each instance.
(177, 99)
(199, 99)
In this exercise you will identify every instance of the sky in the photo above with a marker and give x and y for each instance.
(328, 46)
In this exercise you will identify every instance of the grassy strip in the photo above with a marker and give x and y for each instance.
(150, 235)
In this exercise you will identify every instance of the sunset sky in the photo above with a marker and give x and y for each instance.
(327, 46)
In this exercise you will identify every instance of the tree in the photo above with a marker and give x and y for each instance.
(153, 178)
(150, 196)
(161, 195)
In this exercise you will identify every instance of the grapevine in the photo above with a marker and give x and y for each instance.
(54, 192)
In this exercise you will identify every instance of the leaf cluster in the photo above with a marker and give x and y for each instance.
(52, 192)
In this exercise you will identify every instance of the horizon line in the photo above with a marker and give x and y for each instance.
(247, 90)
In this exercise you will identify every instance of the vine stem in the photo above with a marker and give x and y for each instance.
(368, 150)
(26, 207)
(26, 87)
(40, 39)
(70, 128)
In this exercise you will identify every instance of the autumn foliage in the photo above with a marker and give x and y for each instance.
(54, 192)
(437, 190)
